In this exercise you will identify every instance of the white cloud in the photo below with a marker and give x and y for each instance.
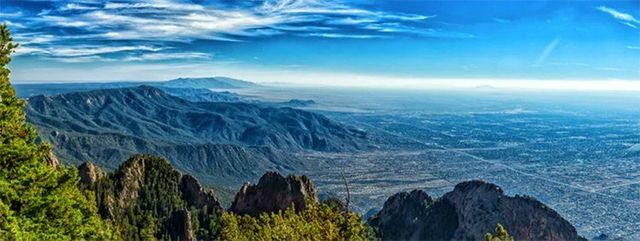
(157, 20)
(11, 15)
(168, 22)
(547, 51)
(84, 59)
(75, 6)
(94, 50)
(168, 56)
(625, 18)
(170, 6)
(336, 35)
(81, 51)
(13, 24)
(633, 47)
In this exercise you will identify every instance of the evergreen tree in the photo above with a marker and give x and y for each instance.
(500, 234)
(37, 201)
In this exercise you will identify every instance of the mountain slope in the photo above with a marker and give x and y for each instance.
(109, 125)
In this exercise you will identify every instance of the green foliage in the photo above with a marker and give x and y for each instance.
(500, 234)
(142, 196)
(37, 201)
(316, 222)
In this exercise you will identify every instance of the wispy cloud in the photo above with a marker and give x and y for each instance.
(337, 35)
(625, 18)
(547, 51)
(55, 32)
(83, 50)
(633, 47)
(168, 56)
(159, 20)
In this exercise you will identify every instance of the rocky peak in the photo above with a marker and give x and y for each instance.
(480, 205)
(274, 193)
(197, 196)
(468, 212)
(90, 174)
(415, 216)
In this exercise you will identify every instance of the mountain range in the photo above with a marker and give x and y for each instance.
(203, 84)
(219, 142)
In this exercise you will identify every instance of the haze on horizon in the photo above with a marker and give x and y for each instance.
(586, 45)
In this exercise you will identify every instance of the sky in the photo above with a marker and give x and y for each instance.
(563, 44)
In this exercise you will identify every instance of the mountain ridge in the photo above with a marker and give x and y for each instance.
(202, 85)
(107, 126)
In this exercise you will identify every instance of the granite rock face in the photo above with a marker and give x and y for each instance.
(90, 174)
(468, 212)
(197, 196)
(415, 216)
(274, 193)
(480, 205)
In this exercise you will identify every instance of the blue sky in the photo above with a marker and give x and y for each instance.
(325, 41)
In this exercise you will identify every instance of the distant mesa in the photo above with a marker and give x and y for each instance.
(29, 90)
(298, 103)
(208, 83)
(485, 87)
(472, 209)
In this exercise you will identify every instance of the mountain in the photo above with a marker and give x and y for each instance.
(208, 83)
(468, 212)
(147, 199)
(297, 103)
(223, 142)
(199, 85)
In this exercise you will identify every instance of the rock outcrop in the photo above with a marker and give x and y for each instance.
(90, 174)
(415, 216)
(274, 193)
(52, 160)
(196, 196)
(468, 212)
(480, 205)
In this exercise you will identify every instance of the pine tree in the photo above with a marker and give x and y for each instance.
(37, 201)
